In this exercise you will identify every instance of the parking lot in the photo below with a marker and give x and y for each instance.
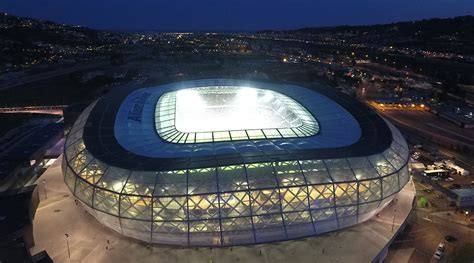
(448, 177)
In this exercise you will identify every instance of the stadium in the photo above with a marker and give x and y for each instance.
(221, 162)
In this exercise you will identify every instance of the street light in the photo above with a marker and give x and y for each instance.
(44, 188)
(394, 214)
(67, 243)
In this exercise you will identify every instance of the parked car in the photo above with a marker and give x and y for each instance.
(438, 254)
(449, 179)
(441, 247)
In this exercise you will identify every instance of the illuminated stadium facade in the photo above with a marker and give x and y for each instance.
(231, 162)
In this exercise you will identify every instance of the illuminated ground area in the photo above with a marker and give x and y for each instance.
(88, 239)
(224, 113)
(232, 108)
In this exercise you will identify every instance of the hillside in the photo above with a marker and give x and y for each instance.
(25, 41)
(442, 35)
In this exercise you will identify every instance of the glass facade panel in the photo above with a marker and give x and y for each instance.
(106, 201)
(265, 201)
(325, 220)
(367, 211)
(269, 227)
(171, 232)
(380, 164)
(315, 172)
(80, 161)
(289, 173)
(232, 178)
(362, 168)
(260, 175)
(170, 208)
(204, 232)
(202, 181)
(171, 183)
(114, 179)
(403, 176)
(136, 228)
(84, 191)
(294, 199)
(236, 231)
(234, 204)
(390, 185)
(321, 196)
(298, 224)
(178, 228)
(394, 158)
(339, 170)
(203, 206)
(238, 135)
(108, 220)
(369, 190)
(140, 183)
(347, 216)
(132, 206)
(346, 194)
(92, 172)
(69, 176)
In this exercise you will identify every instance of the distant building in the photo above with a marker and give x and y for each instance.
(459, 114)
(464, 197)
(24, 153)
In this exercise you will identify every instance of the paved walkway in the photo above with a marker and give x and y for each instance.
(402, 255)
(454, 217)
(58, 214)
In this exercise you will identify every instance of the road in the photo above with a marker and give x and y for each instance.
(426, 123)
(53, 110)
(422, 123)
(50, 74)
(435, 134)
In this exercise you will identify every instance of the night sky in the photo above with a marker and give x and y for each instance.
(232, 15)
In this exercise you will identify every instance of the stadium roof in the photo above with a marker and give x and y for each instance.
(130, 138)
